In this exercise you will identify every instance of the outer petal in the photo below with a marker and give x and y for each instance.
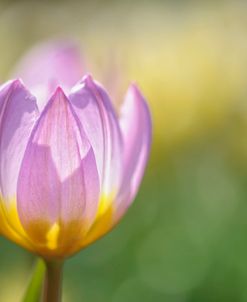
(99, 120)
(135, 122)
(58, 185)
(48, 65)
(18, 112)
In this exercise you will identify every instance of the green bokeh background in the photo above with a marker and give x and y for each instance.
(185, 237)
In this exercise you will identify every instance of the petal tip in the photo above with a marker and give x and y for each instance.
(88, 80)
(17, 84)
(135, 91)
(59, 93)
(58, 97)
(59, 90)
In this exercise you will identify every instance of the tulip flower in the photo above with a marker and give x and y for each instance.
(70, 167)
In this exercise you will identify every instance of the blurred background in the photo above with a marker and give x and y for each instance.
(185, 237)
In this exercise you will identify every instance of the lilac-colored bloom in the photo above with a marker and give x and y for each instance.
(70, 170)
(49, 65)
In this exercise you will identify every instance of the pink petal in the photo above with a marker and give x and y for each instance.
(96, 114)
(58, 181)
(48, 65)
(135, 122)
(18, 112)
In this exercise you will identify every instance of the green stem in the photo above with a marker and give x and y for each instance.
(33, 290)
(53, 282)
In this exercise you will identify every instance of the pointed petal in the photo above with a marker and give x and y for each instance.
(48, 65)
(94, 109)
(58, 183)
(136, 127)
(135, 122)
(18, 112)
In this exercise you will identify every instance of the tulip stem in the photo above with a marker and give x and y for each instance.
(53, 281)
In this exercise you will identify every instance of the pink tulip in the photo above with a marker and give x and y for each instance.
(69, 166)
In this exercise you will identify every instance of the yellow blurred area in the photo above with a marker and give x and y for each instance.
(190, 60)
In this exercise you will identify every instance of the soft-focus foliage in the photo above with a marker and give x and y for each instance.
(184, 240)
